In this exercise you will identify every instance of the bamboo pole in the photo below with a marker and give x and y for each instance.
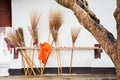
(28, 60)
(71, 58)
(31, 54)
(63, 48)
(59, 58)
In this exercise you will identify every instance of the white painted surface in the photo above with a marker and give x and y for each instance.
(82, 58)
(5, 59)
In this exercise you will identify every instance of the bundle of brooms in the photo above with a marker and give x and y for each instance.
(17, 39)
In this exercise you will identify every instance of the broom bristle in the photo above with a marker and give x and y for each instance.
(20, 36)
(34, 17)
(59, 20)
(55, 35)
(74, 33)
(56, 20)
(13, 39)
(52, 19)
(16, 37)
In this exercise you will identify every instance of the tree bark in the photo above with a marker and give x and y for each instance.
(117, 60)
(102, 35)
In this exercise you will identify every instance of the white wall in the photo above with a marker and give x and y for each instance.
(82, 58)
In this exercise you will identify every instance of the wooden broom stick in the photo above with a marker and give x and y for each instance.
(47, 55)
(31, 54)
(26, 57)
(59, 59)
(71, 58)
(23, 62)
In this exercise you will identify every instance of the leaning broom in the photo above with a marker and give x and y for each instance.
(74, 34)
(33, 29)
(55, 22)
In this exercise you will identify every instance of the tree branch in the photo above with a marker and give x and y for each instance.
(103, 36)
(84, 5)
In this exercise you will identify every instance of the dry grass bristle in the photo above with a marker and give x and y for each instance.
(13, 39)
(59, 20)
(55, 35)
(20, 36)
(74, 33)
(34, 17)
(52, 19)
(55, 22)
(16, 37)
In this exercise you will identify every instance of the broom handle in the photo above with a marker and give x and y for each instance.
(46, 60)
(58, 61)
(71, 58)
(27, 60)
(33, 63)
(27, 63)
(59, 58)
(31, 52)
(25, 71)
(42, 69)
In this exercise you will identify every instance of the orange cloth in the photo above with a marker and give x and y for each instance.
(44, 49)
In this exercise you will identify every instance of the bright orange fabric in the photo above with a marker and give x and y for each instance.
(44, 49)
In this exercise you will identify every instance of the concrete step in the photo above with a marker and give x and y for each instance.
(63, 77)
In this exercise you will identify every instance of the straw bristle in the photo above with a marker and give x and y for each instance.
(13, 39)
(52, 19)
(34, 29)
(20, 36)
(16, 37)
(59, 21)
(56, 20)
(55, 35)
(74, 33)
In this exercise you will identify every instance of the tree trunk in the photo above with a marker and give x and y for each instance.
(118, 73)
(117, 67)
(117, 60)
(102, 35)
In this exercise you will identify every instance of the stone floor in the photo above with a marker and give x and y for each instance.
(63, 77)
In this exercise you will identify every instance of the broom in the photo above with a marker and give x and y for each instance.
(33, 29)
(74, 35)
(55, 22)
